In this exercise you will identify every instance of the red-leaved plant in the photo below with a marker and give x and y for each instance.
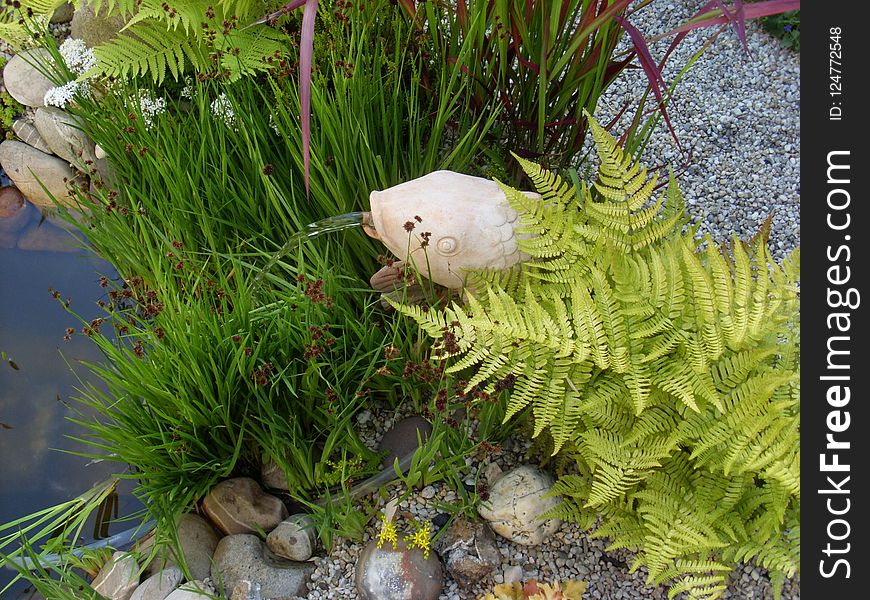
(544, 61)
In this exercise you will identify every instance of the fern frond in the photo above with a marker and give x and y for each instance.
(150, 50)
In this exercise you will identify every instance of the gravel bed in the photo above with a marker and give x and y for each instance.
(738, 117)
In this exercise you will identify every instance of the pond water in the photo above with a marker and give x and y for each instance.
(35, 394)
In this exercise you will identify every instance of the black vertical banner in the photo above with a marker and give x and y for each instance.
(835, 269)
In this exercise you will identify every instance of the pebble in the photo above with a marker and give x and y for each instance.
(294, 538)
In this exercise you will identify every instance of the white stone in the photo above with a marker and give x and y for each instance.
(159, 585)
(512, 574)
(27, 167)
(63, 134)
(469, 218)
(516, 501)
(293, 538)
(118, 578)
(193, 590)
(27, 133)
(24, 81)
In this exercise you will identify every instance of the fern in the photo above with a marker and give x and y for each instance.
(665, 366)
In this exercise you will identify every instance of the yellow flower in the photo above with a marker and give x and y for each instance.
(420, 538)
(388, 533)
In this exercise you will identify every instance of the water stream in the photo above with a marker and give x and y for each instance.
(328, 225)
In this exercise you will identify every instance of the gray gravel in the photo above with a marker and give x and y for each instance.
(739, 117)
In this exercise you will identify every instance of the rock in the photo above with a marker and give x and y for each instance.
(118, 578)
(27, 133)
(27, 166)
(63, 13)
(402, 438)
(194, 590)
(245, 590)
(99, 152)
(42, 237)
(11, 202)
(469, 551)
(516, 501)
(245, 557)
(272, 476)
(62, 132)
(93, 27)
(493, 473)
(401, 574)
(24, 81)
(198, 541)
(512, 574)
(159, 585)
(294, 538)
(240, 505)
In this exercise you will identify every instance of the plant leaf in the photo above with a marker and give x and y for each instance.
(306, 52)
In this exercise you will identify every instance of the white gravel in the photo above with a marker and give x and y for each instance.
(738, 119)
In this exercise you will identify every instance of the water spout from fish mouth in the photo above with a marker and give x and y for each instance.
(328, 225)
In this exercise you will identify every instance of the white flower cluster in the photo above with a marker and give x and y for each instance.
(77, 56)
(150, 107)
(61, 95)
(79, 59)
(223, 110)
(188, 89)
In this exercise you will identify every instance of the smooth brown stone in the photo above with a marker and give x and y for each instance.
(240, 505)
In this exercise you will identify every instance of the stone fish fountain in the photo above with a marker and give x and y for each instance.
(444, 224)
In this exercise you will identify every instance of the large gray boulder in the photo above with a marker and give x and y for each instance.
(27, 167)
(244, 557)
(62, 133)
(23, 79)
(63, 13)
(95, 28)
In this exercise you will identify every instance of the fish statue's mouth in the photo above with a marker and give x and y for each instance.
(368, 225)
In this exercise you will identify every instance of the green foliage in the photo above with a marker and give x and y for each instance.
(194, 35)
(542, 63)
(57, 529)
(201, 36)
(10, 108)
(787, 27)
(17, 31)
(665, 366)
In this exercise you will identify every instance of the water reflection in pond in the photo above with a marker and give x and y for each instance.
(35, 398)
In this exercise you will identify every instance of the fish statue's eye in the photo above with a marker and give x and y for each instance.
(447, 246)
